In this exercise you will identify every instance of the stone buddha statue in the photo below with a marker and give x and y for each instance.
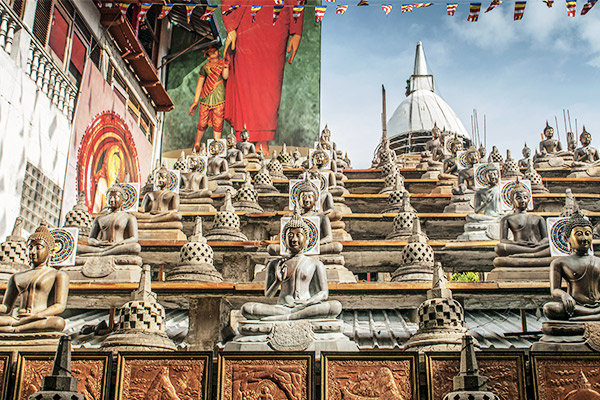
(297, 158)
(303, 299)
(482, 152)
(385, 157)
(149, 185)
(249, 151)
(484, 224)
(551, 154)
(526, 152)
(326, 166)
(466, 175)
(527, 255)
(570, 309)
(448, 178)
(194, 194)
(586, 161)
(43, 291)
(434, 146)
(235, 157)
(218, 170)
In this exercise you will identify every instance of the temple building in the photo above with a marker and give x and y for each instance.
(411, 124)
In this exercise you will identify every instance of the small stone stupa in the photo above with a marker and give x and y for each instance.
(441, 319)
(226, 225)
(391, 181)
(79, 217)
(60, 384)
(468, 384)
(416, 259)
(141, 323)
(495, 156)
(263, 183)
(275, 168)
(396, 197)
(180, 164)
(285, 158)
(537, 186)
(510, 168)
(195, 260)
(403, 221)
(14, 254)
(246, 198)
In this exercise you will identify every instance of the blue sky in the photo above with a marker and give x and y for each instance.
(518, 73)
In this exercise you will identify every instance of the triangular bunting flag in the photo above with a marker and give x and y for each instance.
(341, 10)
(406, 8)
(474, 9)
(519, 10)
(208, 12)
(493, 4)
(386, 8)
(297, 12)
(189, 9)
(588, 6)
(279, 2)
(330, 1)
(253, 11)
(144, 7)
(421, 5)
(451, 8)
(571, 8)
(166, 9)
(276, 11)
(363, 3)
(123, 7)
(231, 9)
(319, 13)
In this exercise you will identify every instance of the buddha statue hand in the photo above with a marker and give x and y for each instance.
(568, 302)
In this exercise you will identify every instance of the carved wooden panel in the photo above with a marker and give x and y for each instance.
(91, 369)
(566, 376)
(183, 376)
(363, 376)
(505, 372)
(259, 376)
(5, 362)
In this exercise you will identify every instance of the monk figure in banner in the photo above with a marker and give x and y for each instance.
(210, 94)
(258, 54)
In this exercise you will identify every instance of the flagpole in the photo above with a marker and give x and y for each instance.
(383, 114)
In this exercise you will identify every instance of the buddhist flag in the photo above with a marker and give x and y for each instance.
(451, 8)
(519, 10)
(276, 11)
(386, 8)
(144, 7)
(549, 3)
(363, 3)
(279, 2)
(420, 5)
(588, 6)
(330, 1)
(406, 8)
(474, 9)
(123, 7)
(341, 10)
(208, 12)
(189, 9)
(571, 8)
(493, 4)
(231, 9)
(253, 11)
(319, 13)
(297, 12)
(166, 9)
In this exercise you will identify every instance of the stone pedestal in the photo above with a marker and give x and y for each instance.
(34, 341)
(434, 169)
(563, 336)
(550, 161)
(196, 205)
(525, 274)
(106, 269)
(207, 316)
(480, 230)
(303, 335)
(460, 203)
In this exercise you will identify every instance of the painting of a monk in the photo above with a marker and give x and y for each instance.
(258, 52)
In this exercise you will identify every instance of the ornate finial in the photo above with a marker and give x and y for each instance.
(43, 233)
(438, 284)
(144, 290)
(182, 155)
(468, 379)
(17, 232)
(508, 156)
(274, 156)
(197, 236)
(284, 149)
(417, 235)
(577, 219)
(227, 204)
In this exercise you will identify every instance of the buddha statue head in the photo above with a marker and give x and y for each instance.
(456, 146)
(520, 196)
(548, 131)
(435, 132)
(472, 156)
(307, 196)
(526, 151)
(585, 137)
(295, 233)
(214, 148)
(193, 164)
(492, 174)
(482, 152)
(161, 179)
(115, 197)
(578, 233)
(41, 245)
(231, 141)
(244, 135)
(320, 158)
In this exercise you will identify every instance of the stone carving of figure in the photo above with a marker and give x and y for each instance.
(466, 175)
(551, 153)
(217, 168)
(113, 233)
(194, 183)
(160, 205)
(523, 162)
(235, 157)
(244, 145)
(297, 157)
(303, 282)
(385, 155)
(586, 154)
(451, 163)
(581, 271)
(434, 146)
(487, 201)
(42, 288)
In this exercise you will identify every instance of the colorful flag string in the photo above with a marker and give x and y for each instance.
(276, 11)
(165, 10)
(451, 8)
(406, 8)
(519, 10)
(297, 12)
(231, 9)
(189, 9)
(588, 6)
(144, 7)
(320, 13)
(208, 12)
(387, 8)
(571, 8)
(493, 4)
(340, 10)
(474, 9)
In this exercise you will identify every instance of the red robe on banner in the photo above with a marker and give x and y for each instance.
(253, 90)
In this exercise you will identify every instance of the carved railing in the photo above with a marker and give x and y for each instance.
(41, 68)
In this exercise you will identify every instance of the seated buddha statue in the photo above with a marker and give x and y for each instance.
(434, 146)
(524, 162)
(218, 170)
(321, 160)
(43, 291)
(551, 153)
(302, 280)
(297, 157)
(581, 271)
(448, 178)
(466, 175)
(384, 156)
(248, 149)
(529, 247)
(194, 193)
(235, 158)
(586, 161)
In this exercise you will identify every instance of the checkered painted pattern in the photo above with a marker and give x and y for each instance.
(141, 315)
(179, 165)
(441, 313)
(79, 219)
(534, 177)
(14, 252)
(275, 168)
(285, 159)
(263, 179)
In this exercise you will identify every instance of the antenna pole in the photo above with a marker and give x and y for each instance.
(557, 130)
(383, 114)
(569, 115)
